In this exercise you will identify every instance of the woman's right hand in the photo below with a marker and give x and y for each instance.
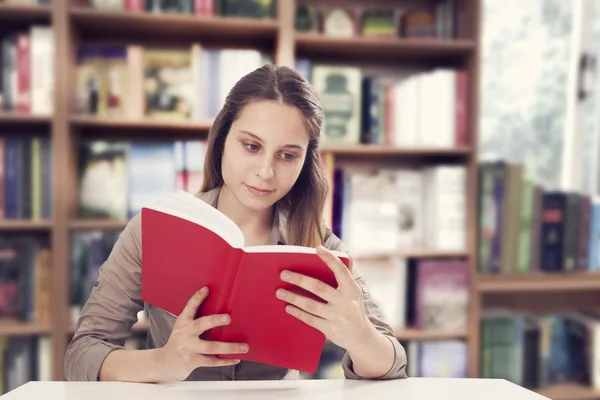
(185, 351)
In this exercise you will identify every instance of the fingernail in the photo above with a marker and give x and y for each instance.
(286, 275)
(244, 347)
(224, 318)
(203, 290)
(290, 310)
(281, 293)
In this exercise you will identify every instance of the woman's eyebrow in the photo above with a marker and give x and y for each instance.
(292, 146)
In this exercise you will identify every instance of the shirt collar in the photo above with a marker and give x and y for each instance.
(278, 225)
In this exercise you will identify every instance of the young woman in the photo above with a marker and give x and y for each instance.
(262, 170)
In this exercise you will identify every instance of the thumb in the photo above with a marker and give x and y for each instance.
(189, 312)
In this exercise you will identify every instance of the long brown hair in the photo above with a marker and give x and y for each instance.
(305, 202)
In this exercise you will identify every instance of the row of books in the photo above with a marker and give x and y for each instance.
(439, 20)
(116, 179)
(540, 350)
(25, 279)
(429, 295)
(386, 210)
(27, 71)
(24, 359)
(159, 83)
(25, 177)
(225, 8)
(427, 109)
(89, 250)
(524, 227)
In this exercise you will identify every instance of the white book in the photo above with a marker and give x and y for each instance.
(385, 278)
(44, 359)
(42, 70)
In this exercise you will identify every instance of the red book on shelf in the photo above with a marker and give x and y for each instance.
(188, 244)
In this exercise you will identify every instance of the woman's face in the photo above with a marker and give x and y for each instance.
(264, 153)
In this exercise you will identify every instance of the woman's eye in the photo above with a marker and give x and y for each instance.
(251, 147)
(289, 157)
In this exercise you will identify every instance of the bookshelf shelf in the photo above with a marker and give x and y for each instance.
(171, 27)
(23, 119)
(24, 225)
(407, 334)
(84, 224)
(97, 124)
(569, 391)
(538, 282)
(25, 13)
(377, 150)
(19, 328)
(414, 254)
(388, 50)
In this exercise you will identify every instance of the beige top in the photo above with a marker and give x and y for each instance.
(107, 317)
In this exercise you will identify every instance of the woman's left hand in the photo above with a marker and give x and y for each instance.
(342, 319)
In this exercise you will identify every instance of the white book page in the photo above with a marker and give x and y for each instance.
(288, 249)
(187, 206)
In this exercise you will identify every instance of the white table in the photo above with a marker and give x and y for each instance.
(404, 389)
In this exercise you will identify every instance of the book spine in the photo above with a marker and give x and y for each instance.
(227, 291)
(553, 208)
(584, 233)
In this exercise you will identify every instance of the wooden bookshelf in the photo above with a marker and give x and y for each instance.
(18, 328)
(382, 50)
(569, 391)
(85, 224)
(73, 26)
(386, 151)
(24, 13)
(88, 126)
(171, 27)
(9, 118)
(534, 282)
(24, 225)
(413, 254)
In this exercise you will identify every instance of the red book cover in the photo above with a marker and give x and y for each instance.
(188, 244)
(23, 73)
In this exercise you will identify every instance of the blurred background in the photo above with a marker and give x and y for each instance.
(461, 142)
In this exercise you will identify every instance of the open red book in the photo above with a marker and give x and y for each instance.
(188, 244)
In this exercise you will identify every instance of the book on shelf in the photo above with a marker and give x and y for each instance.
(427, 109)
(117, 178)
(525, 227)
(25, 177)
(208, 249)
(26, 71)
(158, 83)
(538, 350)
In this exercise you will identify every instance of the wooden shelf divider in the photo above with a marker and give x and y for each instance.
(538, 282)
(24, 225)
(381, 49)
(25, 13)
